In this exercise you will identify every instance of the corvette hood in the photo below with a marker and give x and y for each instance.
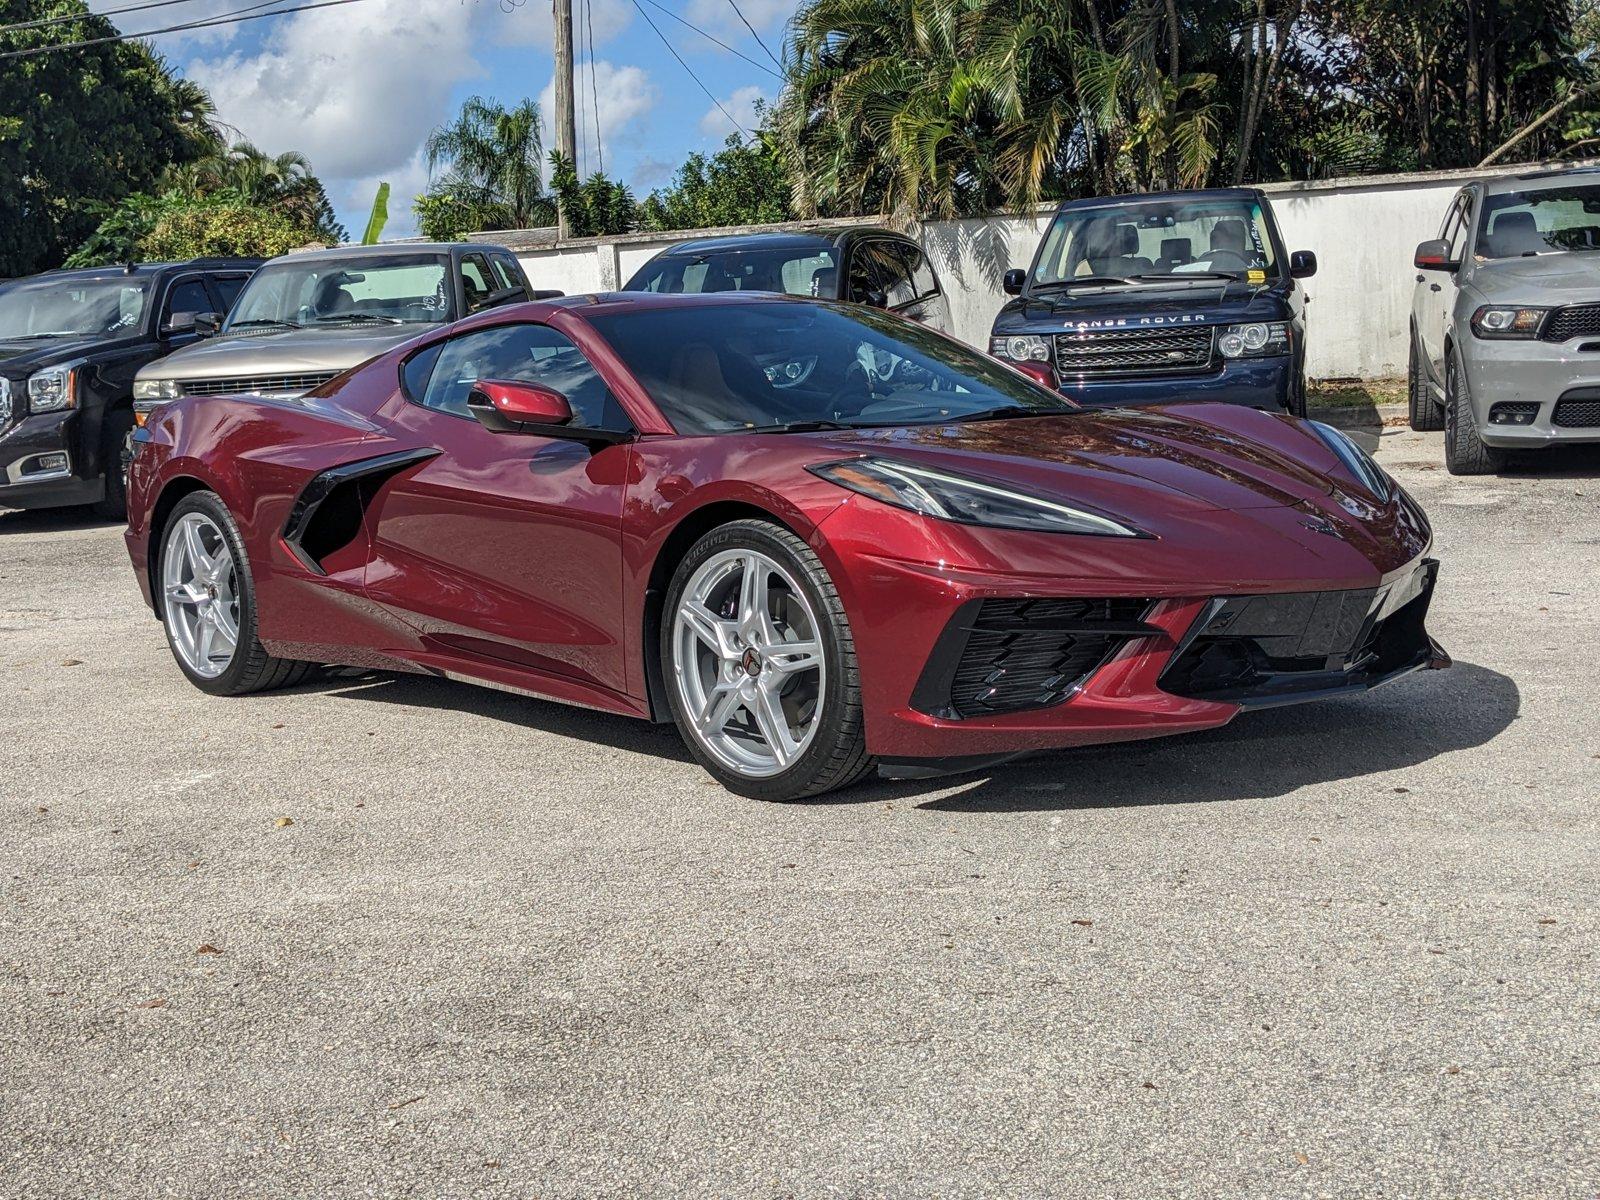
(1122, 460)
(286, 352)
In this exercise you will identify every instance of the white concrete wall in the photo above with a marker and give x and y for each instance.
(1363, 232)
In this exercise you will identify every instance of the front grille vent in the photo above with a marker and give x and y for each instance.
(1575, 320)
(1577, 414)
(1103, 353)
(1026, 654)
(265, 385)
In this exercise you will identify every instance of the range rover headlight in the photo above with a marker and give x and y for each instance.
(1021, 347)
(1356, 460)
(1259, 339)
(53, 388)
(1493, 322)
(949, 497)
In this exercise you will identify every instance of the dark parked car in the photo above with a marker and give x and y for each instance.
(878, 267)
(1162, 297)
(70, 344)
(603, 501)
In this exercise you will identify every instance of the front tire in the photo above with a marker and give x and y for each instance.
(1464, 451)
(760, 665)
(1426, 416)
(115, 433)
(208, 603)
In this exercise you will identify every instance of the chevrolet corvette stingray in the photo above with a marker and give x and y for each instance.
(821, 539)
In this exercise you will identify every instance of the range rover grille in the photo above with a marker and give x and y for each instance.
(1575, 320)
(270, 385)
(1099, 353)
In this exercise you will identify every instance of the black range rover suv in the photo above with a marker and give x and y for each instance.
(1160, 297)
(70, 343)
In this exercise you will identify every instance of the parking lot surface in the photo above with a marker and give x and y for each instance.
(389, 936)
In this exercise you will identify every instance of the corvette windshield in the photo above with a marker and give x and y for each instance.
(723, 368)
(320, 291)
(72, 307)
(1163, 240)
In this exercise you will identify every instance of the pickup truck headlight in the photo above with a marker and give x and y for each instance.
(1021, 347)
(956, 498)
(1259, 339)
(1492, 322)
(53, 388)
(154, 391)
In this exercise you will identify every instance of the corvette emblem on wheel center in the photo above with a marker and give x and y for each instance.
(751, 662)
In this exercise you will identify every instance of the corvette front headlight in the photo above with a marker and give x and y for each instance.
(956, 498)
(52, 389)
(1356, 460)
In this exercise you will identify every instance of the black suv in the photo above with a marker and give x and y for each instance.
(860, 264)
(1162, 297)
(70, 343)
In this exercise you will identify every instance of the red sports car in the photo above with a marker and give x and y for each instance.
(823, 540)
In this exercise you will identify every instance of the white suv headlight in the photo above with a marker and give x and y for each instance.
(1494, 322)
(53, 388)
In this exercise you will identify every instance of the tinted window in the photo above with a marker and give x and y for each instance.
(718, 368)
(922, 276)
(228, 289)
(190, 296)
(63, 307)
(1544, 221)
(476, 281)
(894, 272)
(506, 274)
(797, 272)
(521, 353)
(418, 369)
(1458, 235)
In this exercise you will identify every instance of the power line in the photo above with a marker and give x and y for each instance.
(753, 62)
(43, 22)
(686, 67)
(754, 34)
(234, 18)
(594, 89)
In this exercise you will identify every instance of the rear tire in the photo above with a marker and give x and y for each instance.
(115, 431)
(1464, 451)
(1426, 415)
(208, 603)
(747, 667)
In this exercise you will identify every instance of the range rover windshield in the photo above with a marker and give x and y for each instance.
(54, 308)
(406, 289)
(779, 366)
(1541, 221)
(798, 271)
(1164, 241)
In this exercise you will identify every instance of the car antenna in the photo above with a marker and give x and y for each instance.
(130, 267)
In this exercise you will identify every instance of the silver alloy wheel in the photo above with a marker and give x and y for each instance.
(200, 587)
(748, 663)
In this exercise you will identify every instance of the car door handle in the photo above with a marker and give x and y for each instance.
(1433, 287)
(1421, 279)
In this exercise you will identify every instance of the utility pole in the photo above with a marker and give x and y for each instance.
(566, 122)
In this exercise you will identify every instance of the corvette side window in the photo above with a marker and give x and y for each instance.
(522, 354)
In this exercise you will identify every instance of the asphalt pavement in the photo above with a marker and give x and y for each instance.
(396, 937)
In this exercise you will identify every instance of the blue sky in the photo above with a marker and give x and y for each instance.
(358, 87)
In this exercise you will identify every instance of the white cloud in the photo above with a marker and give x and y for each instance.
(186, 41)
(626, 95)
(768, 16)
(741, 107)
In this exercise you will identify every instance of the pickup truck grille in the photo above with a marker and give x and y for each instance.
(1102, 353)
(257, 384)
(1575, 320)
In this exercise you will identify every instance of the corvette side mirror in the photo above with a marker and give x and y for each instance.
(1012, 281)
(510, 406)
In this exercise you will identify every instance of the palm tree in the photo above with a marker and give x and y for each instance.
(491, 158)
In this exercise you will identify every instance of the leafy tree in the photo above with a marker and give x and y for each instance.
(82, 128)
(594, 206)
(490, 157)
(738, 185)
(281, 183)
(222, 226)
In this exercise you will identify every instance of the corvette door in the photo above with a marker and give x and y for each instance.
(506, 547)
